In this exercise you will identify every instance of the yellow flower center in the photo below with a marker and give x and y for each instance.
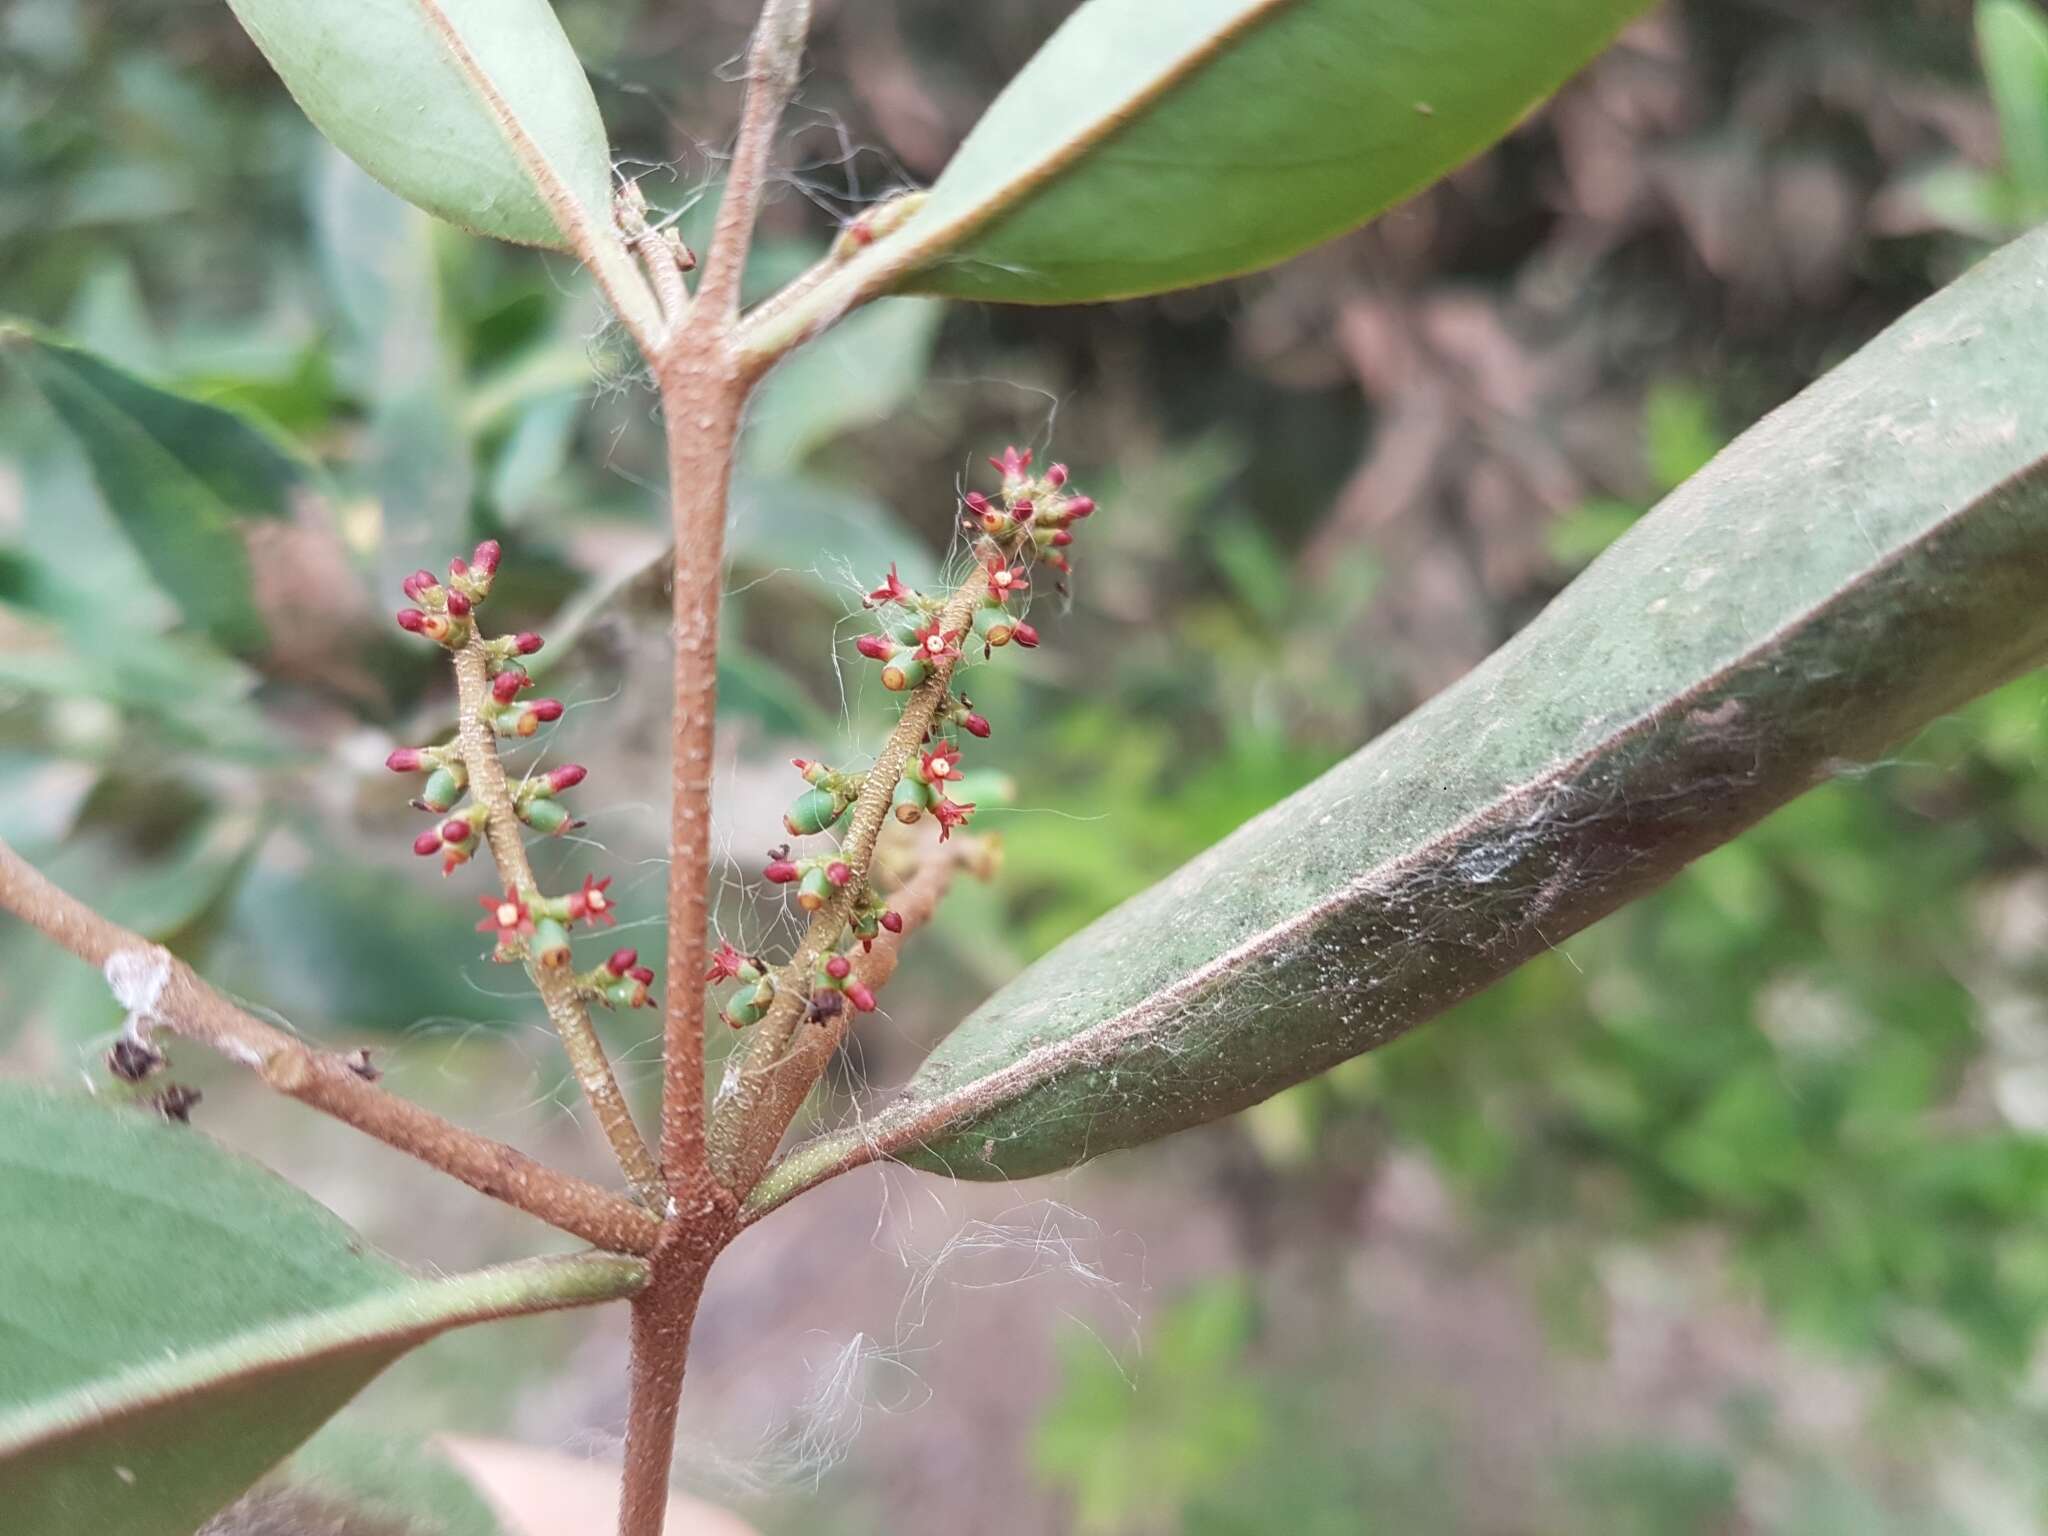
(935, 643)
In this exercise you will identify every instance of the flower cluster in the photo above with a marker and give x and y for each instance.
(920, 641)
(523, 923)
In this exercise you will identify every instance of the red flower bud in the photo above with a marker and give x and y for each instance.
(875, 647)
(418, 582)
(1024, 510)
(1080, 506)
(456, 829)
(527, 642)
(642, 974)
(458, 605)
(975, 725)
(547, 709)
(1025, 635)
(893, 920)
(427, 843)
(780, 872)
(568, 776)
(486, 557)
(458, 566)
(839, 967)
(976, 503)
(622, 961)
(863, 1000)
(405, 760)
(412, 620)
(839, 872)
(1062, 539)
(1056, 476)
(506, 685)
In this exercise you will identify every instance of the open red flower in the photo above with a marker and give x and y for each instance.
(726, 963)
(507, 917)
(591, 904)
(1014, 464)
(890, 591)
(935, 645)
(951, 814)
(1004, 579)
(941, 765)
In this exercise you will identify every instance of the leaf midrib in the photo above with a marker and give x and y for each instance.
(386, 1323)
(933, 1116)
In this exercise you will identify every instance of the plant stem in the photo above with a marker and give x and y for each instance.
(770, 1081)
(189, 1007)
(566, 1011)
(701, 401)
(663, 1315)
(774, 58)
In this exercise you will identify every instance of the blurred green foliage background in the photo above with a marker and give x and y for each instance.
(1724, 1217)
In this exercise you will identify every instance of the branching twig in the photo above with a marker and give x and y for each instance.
(791, 1077)
(566, 1011)
(188, 1006)
(773, 61)
(764, 1090)
(703, 394)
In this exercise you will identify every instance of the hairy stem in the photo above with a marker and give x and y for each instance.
(566, 1011)
(187, 1006)
(769, 1082)
(663, 1315)
(773, 62)
(701, 402)
(798, 1070)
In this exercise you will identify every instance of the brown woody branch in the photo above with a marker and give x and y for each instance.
(189, 1007)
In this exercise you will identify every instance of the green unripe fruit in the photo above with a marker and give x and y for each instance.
(544, 815)
(904, 671)
(911, 800)
(813, 890)
(550, 944)
(814, 811)
(444, 787)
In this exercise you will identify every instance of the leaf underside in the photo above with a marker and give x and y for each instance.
(174, 1319)
(376, 79)
(1154, 146)
(183, 477)
(1867, 557)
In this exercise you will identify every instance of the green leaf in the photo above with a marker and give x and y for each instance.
(406, 1483)
(377, 80)
(842, 539)
(856, 375)
(1865, 558)
(1149, 147)
(2012, 40)
(182, 476)
(175, 1319)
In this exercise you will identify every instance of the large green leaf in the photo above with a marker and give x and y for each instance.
(1865, 558)
(174, 1320)
(2012, 40)
(377, 80)
(854, 377)
(182, 476)
(1153, 146)
(401, 1483)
